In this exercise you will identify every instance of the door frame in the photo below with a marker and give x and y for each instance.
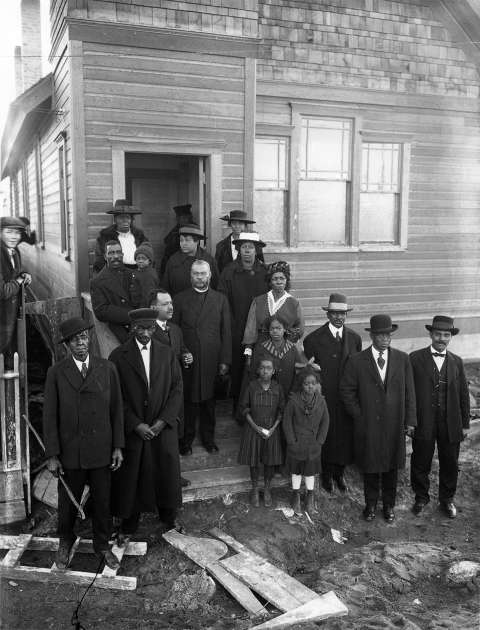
(211, 151)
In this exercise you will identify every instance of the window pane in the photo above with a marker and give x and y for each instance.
(325, 149)
(269, 213)
(380, 167)
(379, 217)
(270, 163)
(322, 208)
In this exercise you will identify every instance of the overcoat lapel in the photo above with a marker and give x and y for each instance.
(133, 357)
(451, 368)
(72, 374)
(428, 363)
(370, 361)
(392, 367)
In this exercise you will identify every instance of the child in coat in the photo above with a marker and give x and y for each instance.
(145, 280)
(262, 405)
(305, 426)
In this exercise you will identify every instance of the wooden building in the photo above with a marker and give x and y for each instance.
(349, 129)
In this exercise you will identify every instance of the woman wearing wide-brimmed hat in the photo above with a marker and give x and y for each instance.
(241, 281)
(177, 270)
(122, 230)
(277, 301)
(226, 252)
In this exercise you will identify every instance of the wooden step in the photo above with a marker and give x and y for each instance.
(217, 482)
(200, 459)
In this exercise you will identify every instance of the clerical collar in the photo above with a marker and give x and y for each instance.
(335, 330)
(200, 290)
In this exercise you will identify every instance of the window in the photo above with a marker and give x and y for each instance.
(63, 194)
(39, 193)
(271, 188)
(324, 185)
(25, 191)
(380, 193)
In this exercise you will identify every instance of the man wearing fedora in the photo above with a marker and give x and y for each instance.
(151, 382)
(331, 346)
(12, 279)
(443, 415)
(122, 230)
(111, 292)
(177, 270)
(183, 216)
(378, 393)
(83, 435)
(226, 252)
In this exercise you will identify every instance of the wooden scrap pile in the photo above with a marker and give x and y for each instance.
(246, 573)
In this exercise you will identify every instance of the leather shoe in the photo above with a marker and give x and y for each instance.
(184, 482)
(449, 509)
(327, 484)
(341, 484)
(185, 450)
(388, 513)
(110, 559)
(211, 448)
(62, 557)
(418, 507)
(369, 513)
(121, 539)
(176, 525)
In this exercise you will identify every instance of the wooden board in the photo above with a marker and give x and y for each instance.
(237, 589)
(323, 607)
(41, 574)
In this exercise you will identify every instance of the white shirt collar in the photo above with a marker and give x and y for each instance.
(334, 330)
(162, 324)
(432, 350)
(80, 363)
(141, 345)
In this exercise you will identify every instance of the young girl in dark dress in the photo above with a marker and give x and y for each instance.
(305, 426)
(262, 405)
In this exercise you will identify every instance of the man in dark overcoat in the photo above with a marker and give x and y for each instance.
(12, 278)
(443, 415)
(331, 346)
(83, 435)
(203, 315)
(241, 281)
(151, 383)
(378, 393)
(225, 251)
(111, 292)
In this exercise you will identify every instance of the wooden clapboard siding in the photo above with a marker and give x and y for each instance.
(439, 269)
(159, 96)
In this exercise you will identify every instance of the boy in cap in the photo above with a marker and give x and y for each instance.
(83, 434)
(443, 415)
(145, 280)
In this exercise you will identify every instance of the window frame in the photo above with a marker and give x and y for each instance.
(61, 142)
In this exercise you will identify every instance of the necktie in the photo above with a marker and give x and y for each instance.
(144, 348)
(338, 338)
(84, 370)
(438, 354)
(380, 360)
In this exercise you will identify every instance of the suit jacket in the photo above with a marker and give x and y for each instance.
(150, 474)
(173, 338)
(177, 271)
(110, 233)
(111, 300)
(83, 418)
(9, 295)
(381, 412)
(458, 400)
(321, 345)
(223, 253)
(205, 324)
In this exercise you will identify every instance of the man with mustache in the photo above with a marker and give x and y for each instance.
(378, 393)
(443, 415)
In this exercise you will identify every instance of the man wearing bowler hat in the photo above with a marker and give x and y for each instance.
(443, 415)
(83, 434)
(151, 382)
(331, 346)
(183, 216)
(124, 231)
(378, 392)
(177, 270)
(226, 251)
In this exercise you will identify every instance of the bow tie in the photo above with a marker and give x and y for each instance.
(438, 354)
(144, 347)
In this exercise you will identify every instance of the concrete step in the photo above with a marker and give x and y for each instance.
(200, 459)
(217, 482)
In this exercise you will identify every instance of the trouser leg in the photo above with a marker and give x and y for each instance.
(268, 473)
(389, 487)
(130, 525)
(99, 482)
(448, 453)
(190, 420)
(371, 488)
(167, 516)
(76, 479)
(337, 470)
(207, 421)
(420, 466)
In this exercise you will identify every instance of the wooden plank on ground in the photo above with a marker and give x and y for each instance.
(15, 552)
(41, 574)
(206, 552)
(45, 543)
(119, 552)
(323, 607)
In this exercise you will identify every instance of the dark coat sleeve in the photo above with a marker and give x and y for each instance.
(410, 403)
(287, 423)
(104, 310)
(349, 390)
(225, 334)
(116, 409)
(171, 409)
(51, 436)
(323, 425)
(464, 395)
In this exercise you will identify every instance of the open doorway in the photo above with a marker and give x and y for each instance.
(156, 182)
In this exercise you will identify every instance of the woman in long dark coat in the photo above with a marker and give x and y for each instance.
(241, 281)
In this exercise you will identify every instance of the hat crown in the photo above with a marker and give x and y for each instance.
(12, 222)
(121, 206)
(192, 229)
(237, 215)
(140, 314)
(442, 322)
(71, 327)
(381, 323)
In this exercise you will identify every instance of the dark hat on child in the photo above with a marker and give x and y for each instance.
(146, 249)
(12, 222)
(71, 327)
(443, 322)
(381, 324)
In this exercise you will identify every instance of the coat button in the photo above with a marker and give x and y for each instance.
(145, 403)
(122, 300)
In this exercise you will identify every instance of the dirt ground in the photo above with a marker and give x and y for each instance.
(389, 576)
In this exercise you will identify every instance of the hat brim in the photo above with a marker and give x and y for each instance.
(239, 241)
(345, 310)
(226, 217)
(65, 339)
(115, 212)
(379, 331)
(453, 330)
